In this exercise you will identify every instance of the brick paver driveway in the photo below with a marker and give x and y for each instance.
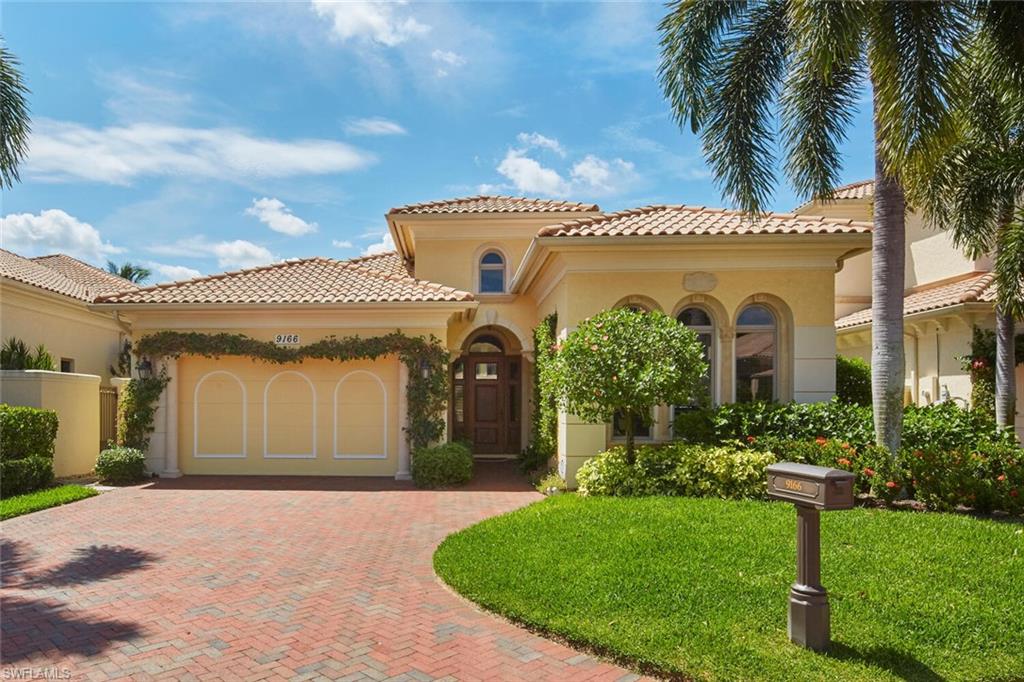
(256, 578)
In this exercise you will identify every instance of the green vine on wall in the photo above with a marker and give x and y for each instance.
(427, 360)
(136, 409)
(544, 420)
(981, 365)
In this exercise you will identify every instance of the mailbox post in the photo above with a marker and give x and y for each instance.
(812, 489)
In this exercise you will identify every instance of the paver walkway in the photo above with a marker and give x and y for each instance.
(262, 578)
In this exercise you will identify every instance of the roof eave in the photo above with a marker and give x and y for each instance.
(363, 305)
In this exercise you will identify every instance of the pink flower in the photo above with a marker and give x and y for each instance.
(845, 446)
(751, 439)
(890, 484)
(869, 472)
(1001, 477)
(593, 346)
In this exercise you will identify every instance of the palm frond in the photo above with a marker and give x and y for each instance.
(691, 35)
(738, 135)
(1009, 267)
(821, 91)
(14, 118)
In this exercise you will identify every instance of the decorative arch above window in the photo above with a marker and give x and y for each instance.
(638, 303)
(492, 273)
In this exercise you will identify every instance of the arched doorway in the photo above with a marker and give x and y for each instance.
(487, 393)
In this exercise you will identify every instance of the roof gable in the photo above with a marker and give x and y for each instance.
(99, 282)
(315, 280)
(698, 220)
(62, 274)
(973, 289)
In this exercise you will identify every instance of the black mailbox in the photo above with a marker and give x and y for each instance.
(812, 489)
(813, 486)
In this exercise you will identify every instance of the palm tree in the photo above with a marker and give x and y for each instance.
(129, 271)
(974, 186)
(725, 65)
(14, 121)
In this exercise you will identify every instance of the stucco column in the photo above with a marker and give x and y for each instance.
(726, 363)
(403, 473)
(171, 428)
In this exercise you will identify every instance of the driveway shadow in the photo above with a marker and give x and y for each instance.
(30, 626)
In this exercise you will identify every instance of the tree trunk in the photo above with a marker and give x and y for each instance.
(887, 281)
(1006, 366)
(630, 454)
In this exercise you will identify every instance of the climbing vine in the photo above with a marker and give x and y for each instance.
(981, 365)
(544, 420)
(427, 360)
(136, 408)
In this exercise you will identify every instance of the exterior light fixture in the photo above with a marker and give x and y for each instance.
(144, 368)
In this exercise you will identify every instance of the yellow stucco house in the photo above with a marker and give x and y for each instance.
(480, 273)
(947, 294)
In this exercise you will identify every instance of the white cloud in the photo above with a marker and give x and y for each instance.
(528, 175)
(53, 231)
(120, 154)
(145, 94)
(384, 23)
(449, 59)
(279, 218)
(536, 140)
(230, 255)
(342, 244)
(599, 177)
(373, 126)
(385, 244)
(166, 272)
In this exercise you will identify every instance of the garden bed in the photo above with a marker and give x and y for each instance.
(697, 588)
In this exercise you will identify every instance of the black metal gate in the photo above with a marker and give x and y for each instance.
(108, 415)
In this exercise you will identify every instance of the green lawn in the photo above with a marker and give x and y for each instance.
(43, 499)
(697, 588)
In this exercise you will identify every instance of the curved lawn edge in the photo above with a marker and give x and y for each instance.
(47, 498)
(556, 568)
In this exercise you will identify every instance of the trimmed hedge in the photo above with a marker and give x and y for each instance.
(943, 425)
(853, 381)
(121, 466)
(677, 469)
(25, 475)
(27, 435)
(442, 466)
(26, 432)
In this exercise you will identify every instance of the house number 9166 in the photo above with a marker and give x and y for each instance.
(286, 339)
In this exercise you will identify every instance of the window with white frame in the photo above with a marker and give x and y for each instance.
(703, 325)
(757, 355)
(492, 273)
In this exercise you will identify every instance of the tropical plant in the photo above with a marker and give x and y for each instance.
(14, 119)
(625, 362)
(725, 64)
(16, 355)
(853, 381)
(974, 187)
(129, 271)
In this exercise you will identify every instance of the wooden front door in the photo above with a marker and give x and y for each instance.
(487, 403)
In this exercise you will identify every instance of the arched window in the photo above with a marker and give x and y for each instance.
(757, 356)
(492, 273)
(700, 321)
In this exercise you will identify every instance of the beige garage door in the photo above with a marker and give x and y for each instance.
(239, 416)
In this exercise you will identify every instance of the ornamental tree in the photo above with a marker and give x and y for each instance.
(627, 362)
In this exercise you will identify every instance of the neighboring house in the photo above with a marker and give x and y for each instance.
(946, 295)
(46, 301)
(480, 274)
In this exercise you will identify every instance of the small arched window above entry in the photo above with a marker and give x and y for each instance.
(492, 273)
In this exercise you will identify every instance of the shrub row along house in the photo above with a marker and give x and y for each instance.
(478, 275)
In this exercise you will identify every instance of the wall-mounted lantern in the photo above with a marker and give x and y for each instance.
(144, 368)
(812, 489)
(424, 368)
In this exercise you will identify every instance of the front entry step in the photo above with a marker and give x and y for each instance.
(494, 458)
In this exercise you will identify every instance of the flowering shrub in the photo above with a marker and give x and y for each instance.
(730, 472)
(985, 478)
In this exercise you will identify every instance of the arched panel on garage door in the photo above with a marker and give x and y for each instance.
(289, 417)
(219, 422)
(360, 417)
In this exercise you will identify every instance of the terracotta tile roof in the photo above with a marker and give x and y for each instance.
(99, 282)
(495, 204)
(698, 220)
(312, 280)
(861, 189)
(974, 289)
(389, 261)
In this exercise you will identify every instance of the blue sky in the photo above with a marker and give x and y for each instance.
(195, 138)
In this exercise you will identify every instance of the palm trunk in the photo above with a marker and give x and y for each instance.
(1006, 383)
(888, 260)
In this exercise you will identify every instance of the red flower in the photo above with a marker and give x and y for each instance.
(845, 446)
(868, 471)
(891, 484)
(821, 440)
(845, 462)
(751, 439)
(1001, 477)
(979, 363)
(1013, 493)
(918, 454)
